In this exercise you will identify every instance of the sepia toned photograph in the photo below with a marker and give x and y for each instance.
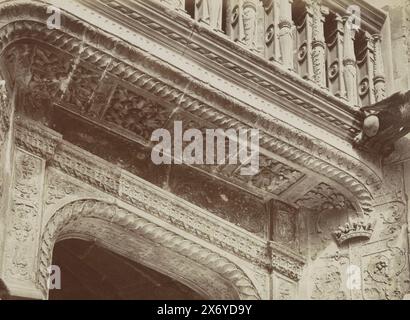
(195, 150)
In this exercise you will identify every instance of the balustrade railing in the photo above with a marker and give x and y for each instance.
(324, 47)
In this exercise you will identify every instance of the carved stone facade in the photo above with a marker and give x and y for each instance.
(320, 219)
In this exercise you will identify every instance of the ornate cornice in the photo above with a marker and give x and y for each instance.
(164, 205)
(136, 224)
(143, 71)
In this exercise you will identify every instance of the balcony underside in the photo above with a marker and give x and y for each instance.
(106, 96)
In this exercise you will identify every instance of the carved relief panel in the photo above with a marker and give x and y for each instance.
(284, 224)
(24, 219)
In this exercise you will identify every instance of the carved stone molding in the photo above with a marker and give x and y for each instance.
(134, 223)
(166, 206)
(276, 136)
(40, 141)
(5, 110)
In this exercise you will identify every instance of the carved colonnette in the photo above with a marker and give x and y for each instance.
(205, 52)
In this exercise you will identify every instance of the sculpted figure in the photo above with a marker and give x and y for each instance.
(249, 22)
(384, 123)
(211, 12)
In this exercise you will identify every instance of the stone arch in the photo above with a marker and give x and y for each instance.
(62, 225)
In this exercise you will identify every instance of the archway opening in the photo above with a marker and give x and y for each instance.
(89, 271)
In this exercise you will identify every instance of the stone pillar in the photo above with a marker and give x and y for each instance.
(174, 4)
(271, 27)
(23, 212)
(379, 79)
(349, 64)
(5, 112)
(285, 33)
(335, 57)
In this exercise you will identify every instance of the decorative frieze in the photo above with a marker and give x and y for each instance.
(166, 206)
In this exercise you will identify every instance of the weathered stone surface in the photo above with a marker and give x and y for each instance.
(78, 105)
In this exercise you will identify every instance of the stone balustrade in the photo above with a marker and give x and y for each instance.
(326, 47)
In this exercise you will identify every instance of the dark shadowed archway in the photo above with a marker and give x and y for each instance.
(89, 271)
